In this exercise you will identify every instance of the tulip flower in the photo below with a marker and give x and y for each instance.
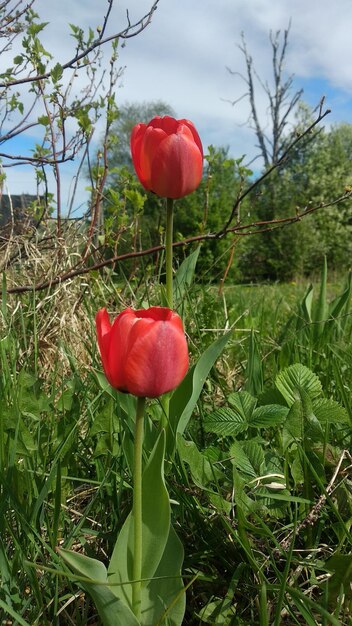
(168, 156)
(143, 352)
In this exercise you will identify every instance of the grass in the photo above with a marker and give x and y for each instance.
(261, 479)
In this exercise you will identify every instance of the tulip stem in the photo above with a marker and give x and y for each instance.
(168, 250)
(169, 288)
(137, 509)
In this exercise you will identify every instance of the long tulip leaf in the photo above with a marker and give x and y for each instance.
(156, 525)
(186, 396)
(111, 609)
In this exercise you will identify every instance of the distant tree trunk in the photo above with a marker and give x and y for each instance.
(281, 103)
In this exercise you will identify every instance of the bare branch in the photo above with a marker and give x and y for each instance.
(255, 228)
(272, 168)
(281, 103)
(132, 30)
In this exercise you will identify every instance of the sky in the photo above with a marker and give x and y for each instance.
(183, 55)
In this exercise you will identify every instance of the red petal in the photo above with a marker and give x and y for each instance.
(177, 166)
(158, 359)
(119, 347)
(152, 139)
(194, 132)
(103, 327)
(157, 313)
(137, 136)
(168, 124)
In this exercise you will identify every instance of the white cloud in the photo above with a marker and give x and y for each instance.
(182, 56)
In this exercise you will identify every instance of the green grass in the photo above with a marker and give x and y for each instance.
(262, 506)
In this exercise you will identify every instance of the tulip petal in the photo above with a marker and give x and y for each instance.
(137, 136)
(158, 359)
(119, 347)
(103, 327)
(194, 132)
(168, 124)
(143, 352)
(177, 167)
(152, 139)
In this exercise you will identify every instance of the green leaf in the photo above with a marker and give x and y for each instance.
(255, 454)
(244, 504)
(185, 398)
(307, 305)
(104, 384)
(56, 72)
(84, 565)
(183, 278)
(296, 469)
(219, 611)
(321, 309)
(284, 496)
(231, 420)
(293, 426)
(330, 411)
(341, 579)
(111, 609)
(9, 611)
(203, 472)
(65, 401)
(338, 304)
(268, 415)
(296, 377)
(156, 525)
(164, 598)
(225, 422)
(240, 459)
(34, 29)
(312, 427)
(43, 120)
(243, 403)
(254, 369)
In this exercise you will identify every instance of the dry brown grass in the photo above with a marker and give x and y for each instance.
(55, 320)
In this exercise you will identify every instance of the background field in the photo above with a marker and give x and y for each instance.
(260, 480)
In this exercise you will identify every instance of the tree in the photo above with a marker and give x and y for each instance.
(66, 120)
(286, 252)
(309, 178)
(281, 101)
(38, 93)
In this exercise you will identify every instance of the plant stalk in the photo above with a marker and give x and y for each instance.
(169, 289)
(168, 250)
(137, 509)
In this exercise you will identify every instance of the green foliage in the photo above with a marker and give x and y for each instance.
(251, 461)
(138, 217)
(187, 394)
(317, 172)
(111, 609)
(163, 598)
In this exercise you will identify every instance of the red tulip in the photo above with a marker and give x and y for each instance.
(143, 352)
(168, 156)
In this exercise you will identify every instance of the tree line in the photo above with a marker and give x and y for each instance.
(270, 227)
(318, 169)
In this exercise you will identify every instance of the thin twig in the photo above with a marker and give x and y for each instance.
(314, 513)
(130, 31)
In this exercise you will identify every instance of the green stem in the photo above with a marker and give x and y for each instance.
(165, 405)
(165, 401)
(168, 250)
(137, 509)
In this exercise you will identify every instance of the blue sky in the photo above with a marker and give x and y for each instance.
(182, 56)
